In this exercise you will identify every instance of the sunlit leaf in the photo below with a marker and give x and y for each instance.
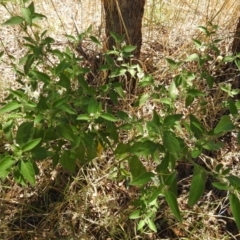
(225, 124)
(192, 57)
(151, 225)
(109, 117)
(26, 12)
(27, 170)
(14, 20)
(5, 164)
(128, 49)
(135, 215)
(142, 99)
(235, 206)
(10, 107)
(31, 145)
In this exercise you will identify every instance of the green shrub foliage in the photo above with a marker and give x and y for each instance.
(56, 114)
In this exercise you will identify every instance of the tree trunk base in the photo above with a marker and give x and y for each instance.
(236, 41)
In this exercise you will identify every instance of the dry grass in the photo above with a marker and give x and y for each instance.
(94, 204)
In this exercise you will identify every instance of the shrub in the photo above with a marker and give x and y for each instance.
(56, 114)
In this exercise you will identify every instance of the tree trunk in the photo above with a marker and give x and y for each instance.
(124, 17)
(236, 41)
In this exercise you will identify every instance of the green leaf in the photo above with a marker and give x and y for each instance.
(24, 132)
(141, 224)
(5, 164)
(27, 170)
(210, 145)
(68, 162)
(119, 91)
(128, 49)
(195, 93)
(196, 152)
(14, 20)
(64, 81)
(40, 153)
(197, 186)
(170, 142)
(31, 7)
(135, 215)
(196, 127)
(93, 106)
(31, 144)
(113, 96)
(210, 81)
(38, 16)
(237, 62)
(234, 181)
(192, 57)
(84, 117)
(173, 91)
(224, 125)
(28, 64)
(122, 150)
(167, 101)
(60, 101)
(65, 131)
(116, 37)
(151, 224)
(109, 117)
(172, 63)
(165, 163)
(142, 99)
(189, 100)
(232, 107)
(235, 206)
(229, 58)
(10, 107)
(41, 76)
(144, 148)
(26, 12)
(142, 179)
(220, 185)
(146, 80)
(67, 108)
(1, 54)
(204, 30)
(136, 167)
(197, 43)
(170, 120)
(172, 202)
(95, 40)
(7, 129)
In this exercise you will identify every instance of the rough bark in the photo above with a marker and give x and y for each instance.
(124, 17)
(236, 41)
